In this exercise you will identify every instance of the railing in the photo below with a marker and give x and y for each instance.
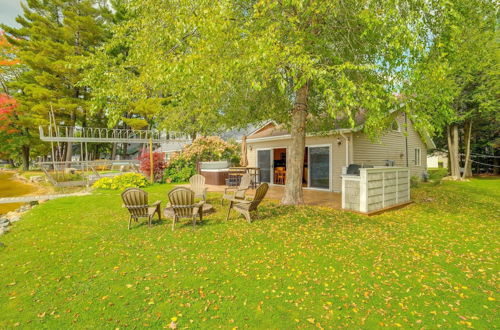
(376, 189)
(91, 134)
(84, 173)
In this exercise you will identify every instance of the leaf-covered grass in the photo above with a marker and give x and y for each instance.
(72, 263)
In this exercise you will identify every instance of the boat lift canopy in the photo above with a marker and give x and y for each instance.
(52, 133)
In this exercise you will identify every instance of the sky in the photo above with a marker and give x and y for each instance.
(9, 9)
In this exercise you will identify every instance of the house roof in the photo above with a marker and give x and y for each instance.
(270, 131)
(238, 133)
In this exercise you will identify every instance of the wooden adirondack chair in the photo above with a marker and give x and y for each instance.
(246, 207)
(183, 204)
(197, 183)
(136, 202)
(238, 192)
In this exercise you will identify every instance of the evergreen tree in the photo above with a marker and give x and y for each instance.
(17, 127)
(53, 39)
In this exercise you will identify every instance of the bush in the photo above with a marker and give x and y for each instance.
(415, 181)
(65, 177)
(211, 148)
(182, 166)
(437, 174)
(122, 182)
(179, 171)
(158, 165)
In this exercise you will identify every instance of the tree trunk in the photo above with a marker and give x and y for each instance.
(69, 145)
(295, 160)
(64, 148)
(448, 162)
(467, 137)
(453, 151)
(25, 149)
(69, 151)
(113, 152)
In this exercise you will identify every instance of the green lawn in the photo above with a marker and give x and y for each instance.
(73, 263)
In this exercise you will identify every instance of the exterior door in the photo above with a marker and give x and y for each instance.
(319, 167)
(264, 158)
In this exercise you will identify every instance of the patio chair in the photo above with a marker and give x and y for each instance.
(183, 205)
(136, 202)
(197, 183)
(239, 191)
(246, 207)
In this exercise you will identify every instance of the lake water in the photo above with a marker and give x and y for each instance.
(9, 187)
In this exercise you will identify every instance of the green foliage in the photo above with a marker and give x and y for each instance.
(136, 123)
(182, 166)
(456, 76)
(103, 183)
(312, 264)
(437, 174)
(241, 62)
(211, 148)
(53, 40)
(64, 177)
(415, 181)
(122, 182)
(178, 171)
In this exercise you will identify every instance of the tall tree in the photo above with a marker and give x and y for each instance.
(53, 39)
(228, 63)
(456, 80)
(17, 127)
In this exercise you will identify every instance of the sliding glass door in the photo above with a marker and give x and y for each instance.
(264, 163)
(319, 167)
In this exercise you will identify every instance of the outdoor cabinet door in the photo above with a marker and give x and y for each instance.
(319, 167)
(264, 163)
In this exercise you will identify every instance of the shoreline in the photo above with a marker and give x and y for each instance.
(38, 189)
(34, 189)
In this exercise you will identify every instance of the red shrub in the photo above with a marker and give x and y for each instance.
(158, 164)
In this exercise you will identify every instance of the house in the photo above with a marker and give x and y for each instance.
(437, 159)
(326, 154)
(171, 147)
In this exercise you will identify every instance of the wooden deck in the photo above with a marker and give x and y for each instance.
(311, 197)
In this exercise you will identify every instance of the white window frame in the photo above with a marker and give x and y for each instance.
(417, 160)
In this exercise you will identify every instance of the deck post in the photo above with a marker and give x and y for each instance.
(363, 191)
(151, 172)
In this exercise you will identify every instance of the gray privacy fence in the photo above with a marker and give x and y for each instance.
(375, 189)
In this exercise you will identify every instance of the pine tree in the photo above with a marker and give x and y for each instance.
(53, 39)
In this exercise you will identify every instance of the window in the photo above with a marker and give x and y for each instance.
(417, 156)
(395, 126)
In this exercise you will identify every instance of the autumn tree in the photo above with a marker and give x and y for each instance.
(17, 128)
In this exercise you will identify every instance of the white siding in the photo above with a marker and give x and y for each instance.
(392, 146)
(361, 150)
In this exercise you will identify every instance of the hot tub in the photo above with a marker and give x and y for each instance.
(215, 173)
